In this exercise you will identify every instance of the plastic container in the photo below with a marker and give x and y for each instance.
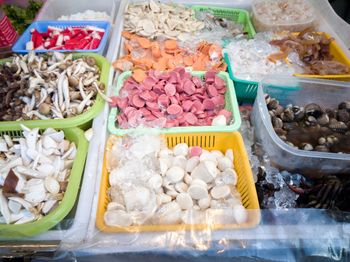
(231, 105)
(245, 90)
(41, 26)
(298, 91)
(209, 141)
(265, 22)
(338, 55)
(53, 9)
(33, 228)
(82, 121)
(237, 15)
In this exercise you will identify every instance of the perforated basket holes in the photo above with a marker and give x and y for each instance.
(204, 141)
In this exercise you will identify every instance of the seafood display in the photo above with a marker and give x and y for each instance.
(50, 86)
(291, 15)
(172, 99)
(223, 26)
(86, 15)
(313, 50)
(158, 185)
(160, 20)
(70, 38)
(281, 189)
(311, 127)
(34, 171)
(249, 58)
(141, 53)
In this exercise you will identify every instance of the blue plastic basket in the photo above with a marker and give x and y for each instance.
(41, 26)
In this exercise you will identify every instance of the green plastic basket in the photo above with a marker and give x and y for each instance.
(246, 90)
(37, 227)
(231, 105)
(237, 15)
(82, 121)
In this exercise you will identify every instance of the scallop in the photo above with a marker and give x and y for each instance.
(163, 165)
(197, 191)
(204, 203)
(180, 161)
(205, 156)
(192, 163)
(175, 174)
(181, 149)
(117, 218)
(240, 214)
(224, 163)
(229, 154)
(155, 182)
(205, 171)
(218, 192)
(184, 200)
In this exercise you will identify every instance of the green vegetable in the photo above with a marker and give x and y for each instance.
(20, 17)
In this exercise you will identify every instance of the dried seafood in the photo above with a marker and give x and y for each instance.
(312, 127)
(151, 184)
(51, 86)
(313, 50)
(156, 19)
(34, 174)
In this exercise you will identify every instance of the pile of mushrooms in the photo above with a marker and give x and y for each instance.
(48, 86)
(34, 173)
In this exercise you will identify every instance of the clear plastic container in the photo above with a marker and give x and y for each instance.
(280, 15)
(54, 9)
(298, 91)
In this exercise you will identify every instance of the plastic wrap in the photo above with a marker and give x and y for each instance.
(282, 235)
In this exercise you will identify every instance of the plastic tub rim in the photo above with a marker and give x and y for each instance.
(262, 107)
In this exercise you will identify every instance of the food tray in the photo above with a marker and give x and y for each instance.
(41, 26)
(246, 90)
(237, 15)
(33, 228)
(338, 55)
(209, 141)
(83, 120)
(298, 91)
(270, 25)
(231, 105)
(54, 9)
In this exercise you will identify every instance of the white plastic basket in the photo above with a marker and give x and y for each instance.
(53, 9)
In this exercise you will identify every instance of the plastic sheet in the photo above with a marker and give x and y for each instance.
(282, 235)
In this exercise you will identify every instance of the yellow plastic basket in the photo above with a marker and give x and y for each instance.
(338, 55)
(209, 141)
